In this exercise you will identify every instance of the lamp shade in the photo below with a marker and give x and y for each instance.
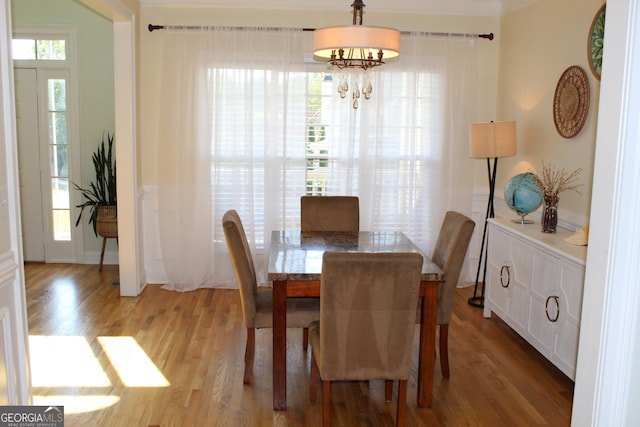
(492, 139)
(326, 40)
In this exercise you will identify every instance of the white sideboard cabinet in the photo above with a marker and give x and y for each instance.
(534, 283)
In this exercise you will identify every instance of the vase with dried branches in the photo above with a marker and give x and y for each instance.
(553, 181)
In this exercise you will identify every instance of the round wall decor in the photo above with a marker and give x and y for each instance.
(595, 41)
(571, 102)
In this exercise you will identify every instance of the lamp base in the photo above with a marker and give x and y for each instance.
(476, 302)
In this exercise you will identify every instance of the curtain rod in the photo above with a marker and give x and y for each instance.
(153, 27)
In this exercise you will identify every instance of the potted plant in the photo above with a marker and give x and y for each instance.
(100, 196)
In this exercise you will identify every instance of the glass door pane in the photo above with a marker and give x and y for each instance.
(59, 161)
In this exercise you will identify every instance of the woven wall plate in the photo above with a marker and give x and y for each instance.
(571, 102)
(595, 41)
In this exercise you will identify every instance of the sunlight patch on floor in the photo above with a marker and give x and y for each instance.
(64, 361)
(77, 404)
(131, 363)
(70, 362)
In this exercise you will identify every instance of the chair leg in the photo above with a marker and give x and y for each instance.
(313, 382)
(305, 339)
(326, 403)
(388, 390)
(249, 353)
(402, 403)
(444, 350)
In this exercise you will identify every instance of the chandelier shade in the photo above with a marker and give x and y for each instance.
(354, 49)
(354, 38)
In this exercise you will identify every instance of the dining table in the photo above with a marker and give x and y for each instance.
(295, 269)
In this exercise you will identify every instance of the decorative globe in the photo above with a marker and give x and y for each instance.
(523, 195)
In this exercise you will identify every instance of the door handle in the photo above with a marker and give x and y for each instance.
(505, 268)
(546, 308)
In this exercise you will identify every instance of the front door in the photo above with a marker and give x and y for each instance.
(45, 148)
(29, 164)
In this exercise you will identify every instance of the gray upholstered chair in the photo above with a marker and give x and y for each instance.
(450, 250)
(330, 213)
(256, 302)
(366, 327)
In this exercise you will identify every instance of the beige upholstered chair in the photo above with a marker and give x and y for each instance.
(257, 302)
(330, 213)
(451, 248)
(368, 309)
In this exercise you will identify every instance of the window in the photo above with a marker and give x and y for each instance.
(318, 85)
(399, 165)
(33, 49)
(59, 170)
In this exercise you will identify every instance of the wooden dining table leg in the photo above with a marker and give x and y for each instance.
(279, 345)
(426, 362)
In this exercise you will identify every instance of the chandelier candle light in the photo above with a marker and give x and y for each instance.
(356, 47)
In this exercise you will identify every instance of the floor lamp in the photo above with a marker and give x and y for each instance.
(489, 140)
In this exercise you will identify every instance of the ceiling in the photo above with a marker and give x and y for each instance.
(441, 7)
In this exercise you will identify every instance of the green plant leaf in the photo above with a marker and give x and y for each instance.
(102, 190)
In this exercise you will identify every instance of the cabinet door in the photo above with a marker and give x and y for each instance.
(498, 272)
(545, 302)
(517, 314)
(565, 352)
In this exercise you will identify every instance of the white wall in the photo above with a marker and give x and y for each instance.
(539, 42)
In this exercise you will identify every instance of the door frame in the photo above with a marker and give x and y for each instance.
(70, 65)
(124, 15)
(16, 388)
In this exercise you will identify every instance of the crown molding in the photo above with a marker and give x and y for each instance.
(430, 7)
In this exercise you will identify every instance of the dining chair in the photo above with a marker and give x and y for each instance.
(330, 213)
(450, 250)
(366, 326)
(257, 308)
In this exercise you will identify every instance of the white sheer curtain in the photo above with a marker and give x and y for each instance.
(233, 136)
(405, 151)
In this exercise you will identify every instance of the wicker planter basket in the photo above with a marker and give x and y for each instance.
(107, 221)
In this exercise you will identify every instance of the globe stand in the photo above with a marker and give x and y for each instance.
(522, 220)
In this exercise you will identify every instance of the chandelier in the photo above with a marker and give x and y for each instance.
(355, 49)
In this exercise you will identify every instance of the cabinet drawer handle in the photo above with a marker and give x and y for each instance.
(502, 270)
(546, 308)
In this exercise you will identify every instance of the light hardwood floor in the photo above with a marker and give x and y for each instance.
(176, 359)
